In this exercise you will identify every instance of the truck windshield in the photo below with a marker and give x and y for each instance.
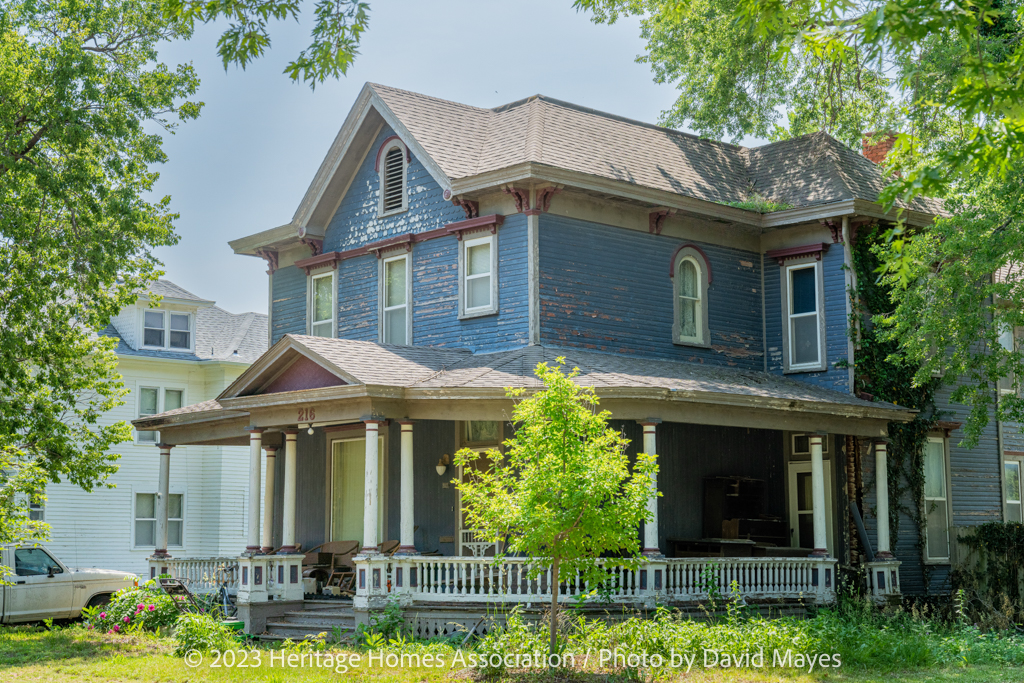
(34, 562)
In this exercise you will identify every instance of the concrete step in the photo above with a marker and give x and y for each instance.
(318, 617)
(299, 631)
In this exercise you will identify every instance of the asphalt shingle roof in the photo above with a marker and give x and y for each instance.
(169, 289)
(466, 141)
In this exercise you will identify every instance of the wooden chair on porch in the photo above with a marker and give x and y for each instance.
(342, 573)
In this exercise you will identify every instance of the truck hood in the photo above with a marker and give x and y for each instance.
(107, 575)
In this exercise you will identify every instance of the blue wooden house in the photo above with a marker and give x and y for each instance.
(443, 250)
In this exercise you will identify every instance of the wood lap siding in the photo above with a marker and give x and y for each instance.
(608, 289)
(357, 298)
(288, 313)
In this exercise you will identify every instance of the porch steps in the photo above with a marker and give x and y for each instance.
(316, 618)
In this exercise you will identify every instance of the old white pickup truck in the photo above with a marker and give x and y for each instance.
(43, 587)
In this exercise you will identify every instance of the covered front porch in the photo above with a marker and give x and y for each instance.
(358, 440)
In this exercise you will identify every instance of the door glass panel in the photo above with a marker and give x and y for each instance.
(348, 468)
(934, 470)
(804, 497)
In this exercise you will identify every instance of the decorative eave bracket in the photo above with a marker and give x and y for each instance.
(656, 219)
(403, 242)
(491, 222)
(270, 256)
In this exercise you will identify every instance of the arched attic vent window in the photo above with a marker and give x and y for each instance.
(393, 165)
(691, 277)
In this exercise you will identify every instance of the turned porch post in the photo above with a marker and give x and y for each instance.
(370, 477)
(882, 498)
(288, 515)
(162, 496)
(268, 500)
(818, 497)
(651, 547)
(252, 547)
(408, 543)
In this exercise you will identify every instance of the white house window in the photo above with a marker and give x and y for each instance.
(321, 322)
(395, 300)
(36, 512)
(1012, 490)
(145, 519)
(393, 171)
(167, 330)
(483, 432)
(155, 400)
(802, 444)
(478, 291)
(803, 323)
(936, 500)
(690, 278)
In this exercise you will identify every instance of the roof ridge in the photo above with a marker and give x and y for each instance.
(428, 97)
(829, 143)
(534, 137)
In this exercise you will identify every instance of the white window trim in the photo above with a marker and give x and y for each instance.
(160, 392)
(928, 559)
(333, 274)
(794, 451)
(184, 508)
(1019, 460)
(393, 144)
(464, 245)
(787, 346)
(167, 330)
(381, 294)
(703, 338)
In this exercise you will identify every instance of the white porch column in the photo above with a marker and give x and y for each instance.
(651, 547)
(882, 495)
(163, 492)
(268, 500)
(370, 477)
(252, 546)
(288, 515)
(406, 535)
(818, 497)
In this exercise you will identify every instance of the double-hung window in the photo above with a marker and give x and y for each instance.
(145, 519)
(803, 317)
(395, 309)
(154, 400)
(936, 500)
(690, 278)
(1012, 489)
(478, 290)
(321, 319)
(167, 330)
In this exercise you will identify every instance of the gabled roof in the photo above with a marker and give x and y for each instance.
(169, 290)
(448, 373)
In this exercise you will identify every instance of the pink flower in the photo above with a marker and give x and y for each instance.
(117, 627)
(89, 627)
(152, 607)
(103, 615)
(141, 607)
(127, 619)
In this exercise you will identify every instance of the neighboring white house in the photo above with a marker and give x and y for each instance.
(185, 351)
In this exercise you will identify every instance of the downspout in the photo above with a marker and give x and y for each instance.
(850, 278)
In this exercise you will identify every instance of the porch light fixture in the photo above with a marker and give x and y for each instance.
(442, 465)
(310, 430)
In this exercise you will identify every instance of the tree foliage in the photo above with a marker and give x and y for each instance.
(949, 79)
(338, 26)
(80, 81)
(563, 489)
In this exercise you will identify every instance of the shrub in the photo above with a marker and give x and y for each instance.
(133, 610)
(200, 632)
(388, 624)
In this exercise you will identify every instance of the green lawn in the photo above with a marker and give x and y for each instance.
(72, 654)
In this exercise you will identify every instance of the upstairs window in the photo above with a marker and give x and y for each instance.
(155, 400)
(167, 330)
(1012, 489)
(802, 330)
(321, 319)
(690, 277)
(936, 500)
(395, 309)
(392, 165)
(478, 282)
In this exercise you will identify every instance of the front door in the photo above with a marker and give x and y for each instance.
(469, 544)
(348, 466)
(41, 588)
(801, 506)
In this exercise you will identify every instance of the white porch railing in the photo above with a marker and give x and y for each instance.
(200, 575)
(481, 579)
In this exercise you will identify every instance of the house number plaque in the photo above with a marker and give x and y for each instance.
(307, 414)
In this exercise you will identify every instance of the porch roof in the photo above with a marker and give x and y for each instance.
(368, 371)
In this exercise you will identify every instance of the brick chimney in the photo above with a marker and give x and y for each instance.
(877, 152)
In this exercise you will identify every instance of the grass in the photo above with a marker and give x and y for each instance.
(74, 654)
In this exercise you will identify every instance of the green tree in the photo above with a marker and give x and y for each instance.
(80, 81)
(563, 489)
(947, 78)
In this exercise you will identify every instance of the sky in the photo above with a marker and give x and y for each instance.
(244, 165)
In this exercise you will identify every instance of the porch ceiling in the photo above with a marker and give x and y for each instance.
(449, 384)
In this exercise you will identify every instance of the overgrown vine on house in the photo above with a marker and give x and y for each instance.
(994, 579)
(884, 372)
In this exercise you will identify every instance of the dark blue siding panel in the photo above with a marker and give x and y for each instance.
(975, 486)
(356, 222)
(357, 298)
(288, 309)
(609, 289)
(835, 321)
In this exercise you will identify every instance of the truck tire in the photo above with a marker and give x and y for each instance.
(99, 600)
